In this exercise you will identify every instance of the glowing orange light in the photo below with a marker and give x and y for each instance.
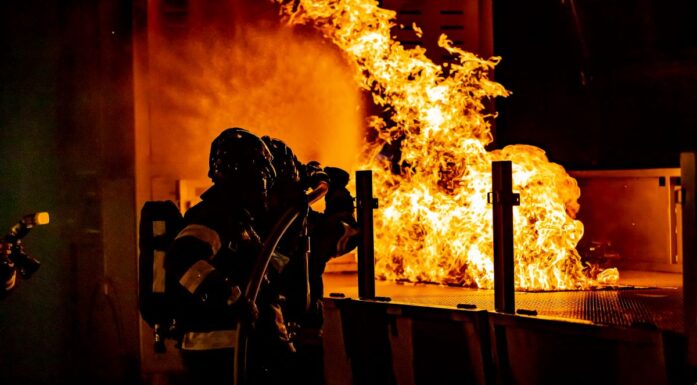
(434, 224)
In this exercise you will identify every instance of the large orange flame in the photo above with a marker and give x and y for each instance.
(434, 224)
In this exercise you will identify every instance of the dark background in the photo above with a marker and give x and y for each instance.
(599, 84)
(66, 147)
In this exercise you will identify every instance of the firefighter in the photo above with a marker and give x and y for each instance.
(333, 233)
(313, 239)
(13, 259)
(210, 259)
(8, 271)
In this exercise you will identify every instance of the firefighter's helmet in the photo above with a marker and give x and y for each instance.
(284, 160)
(241, 159)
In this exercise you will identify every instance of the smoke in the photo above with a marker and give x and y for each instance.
(259, 75)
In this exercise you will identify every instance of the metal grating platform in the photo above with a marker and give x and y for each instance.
(631, 305)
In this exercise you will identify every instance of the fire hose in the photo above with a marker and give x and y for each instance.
(253, 286)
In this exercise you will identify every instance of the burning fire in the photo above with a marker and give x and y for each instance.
(434, 223)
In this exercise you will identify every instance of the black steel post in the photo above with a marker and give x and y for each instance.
(503, 199)
(689, 259)
(365, 203)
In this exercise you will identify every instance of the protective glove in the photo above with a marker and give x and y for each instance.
(217, 291)
(337, 177)
(338, 198)
(313, 174)
(247, 310)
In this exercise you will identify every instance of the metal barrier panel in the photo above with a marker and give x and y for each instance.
(534, 351)
(337, 367)
(396, 344)
(439, 346)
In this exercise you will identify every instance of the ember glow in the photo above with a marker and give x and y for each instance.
(434, 223)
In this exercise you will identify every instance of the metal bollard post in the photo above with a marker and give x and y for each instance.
(689, 260)
(503, 199)
(365, 203)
